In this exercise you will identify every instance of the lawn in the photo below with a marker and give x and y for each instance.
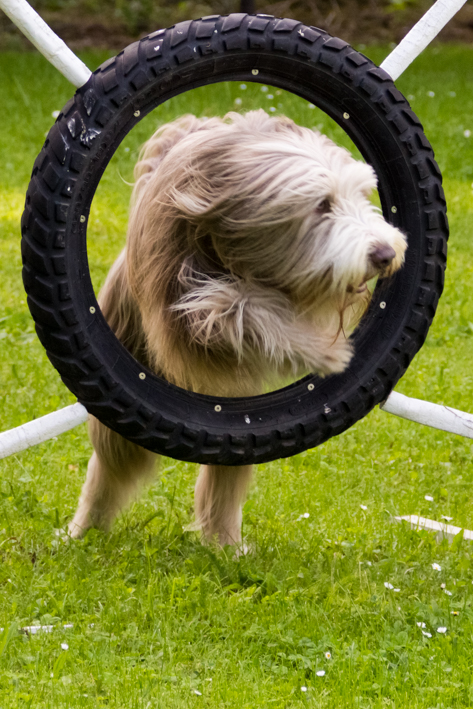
(326, 610)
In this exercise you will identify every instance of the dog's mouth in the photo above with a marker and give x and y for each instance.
(358, 290)
(369, 281)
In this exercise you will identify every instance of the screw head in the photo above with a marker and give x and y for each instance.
(382, 305)
(393, 209)
(346, 116)
(142, 375)
(137, 113)
(217, 408)
(255, 72)
(82, 218)
(92, 309)
(310, 387)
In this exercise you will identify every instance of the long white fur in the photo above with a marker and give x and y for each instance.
(250, 242)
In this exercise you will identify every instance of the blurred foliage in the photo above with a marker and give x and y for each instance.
(138, 16)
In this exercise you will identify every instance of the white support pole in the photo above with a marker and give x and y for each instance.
(42, 429)
(46, 41)
(420, 36)
(434, 415)
(449, 531)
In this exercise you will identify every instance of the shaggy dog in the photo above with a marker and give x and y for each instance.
(250, 244)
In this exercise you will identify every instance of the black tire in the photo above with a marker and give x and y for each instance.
(96, 367)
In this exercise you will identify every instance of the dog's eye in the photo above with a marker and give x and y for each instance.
(324, 207)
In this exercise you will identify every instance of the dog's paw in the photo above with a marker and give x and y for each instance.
(244, 550)
(74, 531)
(337, 357)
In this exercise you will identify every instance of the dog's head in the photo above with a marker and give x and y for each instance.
(272, 202)
(222, 207)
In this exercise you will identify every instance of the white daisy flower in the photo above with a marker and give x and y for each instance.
(449, 593)
(429, 498)
(65, 646)
(467, 133)
(431, 94)
(238, 101)
(421, 625)
(388, 585)
(328, 655)
(55, 114)
(320, 673)
(441, 630)
(436, 567)
(303, 689)
(447, 519)
(196, 691)
(427, 635)
(363, 507)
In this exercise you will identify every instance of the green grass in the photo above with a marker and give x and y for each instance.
(155, 614)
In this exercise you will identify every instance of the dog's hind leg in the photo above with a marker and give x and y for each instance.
(219, 494)
(116, 472)
(117, 468)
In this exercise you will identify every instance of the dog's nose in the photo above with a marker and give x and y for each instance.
(382, 255)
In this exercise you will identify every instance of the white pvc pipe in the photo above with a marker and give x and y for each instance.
(449, 531)
(42, 429)
(46, 41)
(420, 36)
(434, 415)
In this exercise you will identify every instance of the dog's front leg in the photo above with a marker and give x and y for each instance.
(116, 471)
(219, 494)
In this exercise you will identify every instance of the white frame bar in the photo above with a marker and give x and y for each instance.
(428, 414)
(46, 41)
(449, 531)
(420, 36)
(42, 429)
